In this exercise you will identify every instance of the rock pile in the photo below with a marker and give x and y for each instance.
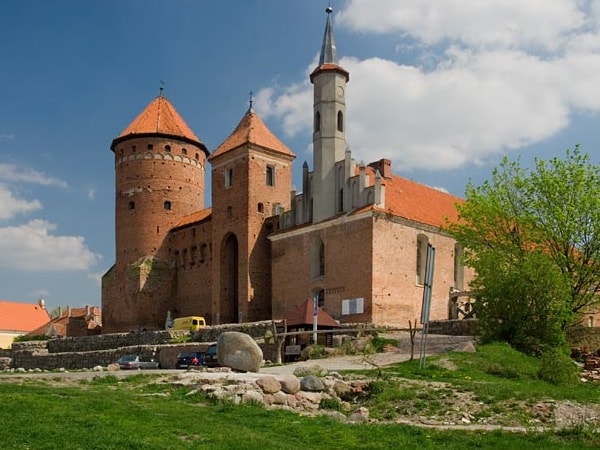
(310, 390)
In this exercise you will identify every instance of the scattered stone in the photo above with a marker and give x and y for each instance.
(98, 369)
(112, 367)
(290, 384)
(361, 415)
(311, 383)
(252, 396)
(269, 384)
(310, 369)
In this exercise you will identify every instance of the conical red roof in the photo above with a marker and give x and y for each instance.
(252, 130)
(159, 117)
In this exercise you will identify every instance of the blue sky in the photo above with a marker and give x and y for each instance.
(443, 89)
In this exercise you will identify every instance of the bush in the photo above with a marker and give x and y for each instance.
(557, 367)
(37, 337)
(333, 404)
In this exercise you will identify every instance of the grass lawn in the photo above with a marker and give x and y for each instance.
(138, 413)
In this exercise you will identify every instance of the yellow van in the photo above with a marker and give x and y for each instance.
(190, 323)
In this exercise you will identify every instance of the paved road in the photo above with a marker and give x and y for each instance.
(435, 344)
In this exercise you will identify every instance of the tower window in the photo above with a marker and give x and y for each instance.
(167, 205)
(184, 151)
(270, 176)
(133, 149)
(197, 156)
(150, 146)
(317, 121)
(228, 178)
(340, 121)
(422, 242)
(261, 208)
(167, 148)
(317, 259)
(131, 205)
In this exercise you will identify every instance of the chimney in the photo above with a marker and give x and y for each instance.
(384, 166)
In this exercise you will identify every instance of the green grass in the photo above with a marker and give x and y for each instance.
(499, 382)
(142, 412)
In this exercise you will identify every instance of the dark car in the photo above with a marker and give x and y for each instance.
(210, 356)
(186, 360)
(137, 362)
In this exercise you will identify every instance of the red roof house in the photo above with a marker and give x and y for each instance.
(17, 319)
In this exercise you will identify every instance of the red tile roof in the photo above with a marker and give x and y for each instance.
(197, 216)
(418, 202)
(160, 116)
(303, 315)
(15, 316)
(58, 325)
(252, 130)
(330, 67)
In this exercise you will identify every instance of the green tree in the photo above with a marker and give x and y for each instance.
(533, 238)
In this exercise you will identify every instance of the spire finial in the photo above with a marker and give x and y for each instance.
(328, 50)
(250, 94)
(161, 88)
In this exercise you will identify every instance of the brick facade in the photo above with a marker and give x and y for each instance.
(350, 237)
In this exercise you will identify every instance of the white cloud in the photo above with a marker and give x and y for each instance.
(91, 193)
(542, 24)
(33, 247)
(10, 206)
(497, 87)
(12, 173)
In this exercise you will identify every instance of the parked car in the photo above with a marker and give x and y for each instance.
(210, 356)
(137, 362)
(186, 360)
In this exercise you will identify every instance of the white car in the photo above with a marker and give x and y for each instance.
(137, 362)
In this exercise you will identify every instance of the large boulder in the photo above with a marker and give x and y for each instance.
(239, 351)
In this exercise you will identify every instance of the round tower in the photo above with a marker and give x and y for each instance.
(160, 169)
(329, 136)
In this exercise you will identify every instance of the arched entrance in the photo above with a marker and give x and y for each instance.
(228, 304)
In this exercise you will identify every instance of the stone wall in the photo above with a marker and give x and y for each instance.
(464, 327)
(90, 351)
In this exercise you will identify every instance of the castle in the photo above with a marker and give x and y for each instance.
(355, 237)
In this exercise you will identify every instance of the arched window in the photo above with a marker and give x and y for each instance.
(422, 242)
(167, 148)
(317, 125)
(340, 183)
(354, 194)
(184, 151)
(150, 146)
(167, 205)
(340, 121)
(317, 259)
(459, 268)
(270, 176)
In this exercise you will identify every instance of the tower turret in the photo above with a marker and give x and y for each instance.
(251, 181)
(160, 169)
(329, 138)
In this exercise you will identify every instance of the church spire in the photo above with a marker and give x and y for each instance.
(328, 50)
